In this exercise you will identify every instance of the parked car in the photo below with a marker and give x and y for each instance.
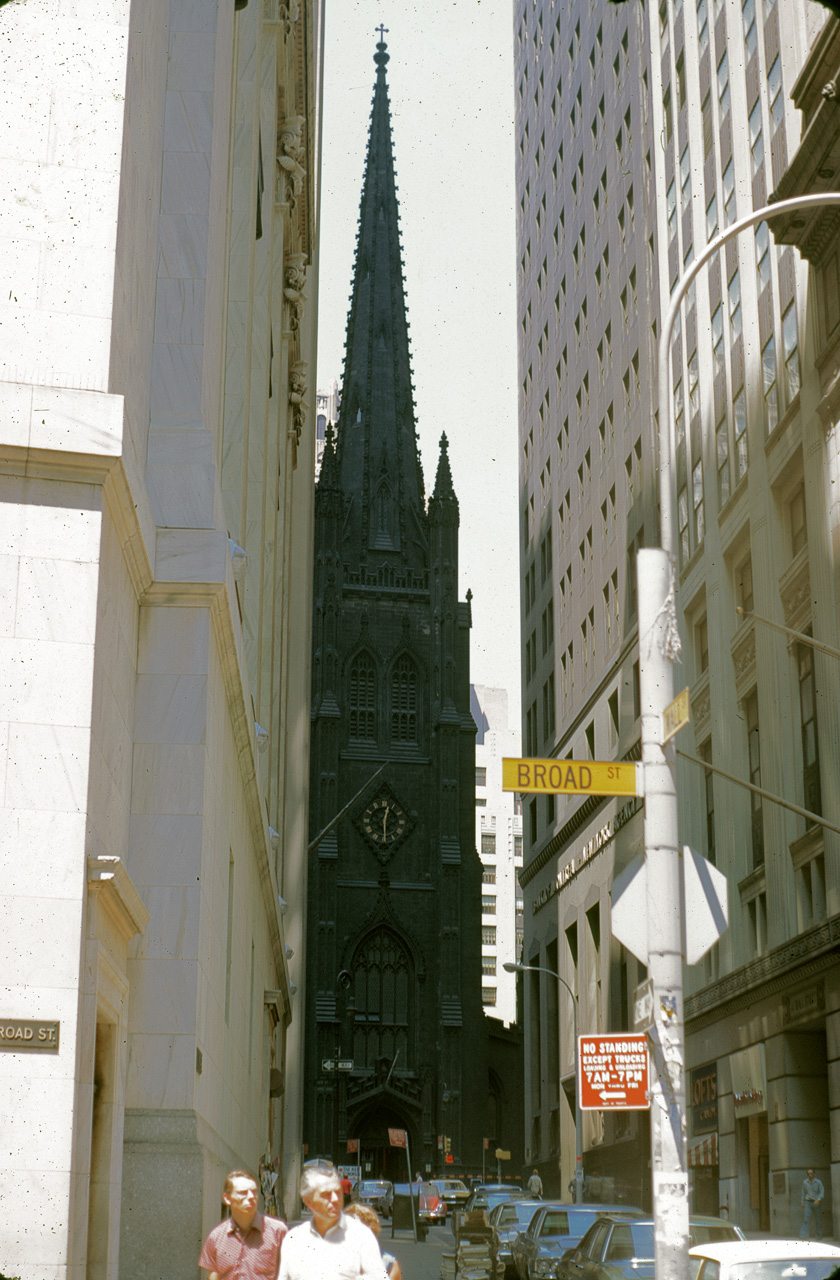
(378, 1193)
(452, 1190)
(507, 1220)
(764, 1260)
(556, 1229)
(615, 1249)
(431, 1209)
(486, 1198)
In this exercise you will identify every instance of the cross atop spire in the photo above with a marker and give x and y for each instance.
(382, 29)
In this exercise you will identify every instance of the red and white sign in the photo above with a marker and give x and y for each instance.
(613, 1073)
(396, 1137)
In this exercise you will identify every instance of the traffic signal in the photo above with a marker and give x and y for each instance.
(447, 1145)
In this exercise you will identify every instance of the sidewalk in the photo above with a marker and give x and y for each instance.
(418, 1261)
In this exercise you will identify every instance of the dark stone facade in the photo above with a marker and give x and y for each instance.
(394, 893)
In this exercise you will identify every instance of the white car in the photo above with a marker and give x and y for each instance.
(764, 1260)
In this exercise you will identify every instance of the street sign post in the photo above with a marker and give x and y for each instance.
(613, 1073)
(572, 777)
(675, 716)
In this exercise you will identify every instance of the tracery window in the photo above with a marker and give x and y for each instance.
(384, 978)
(363, 698)
(404, 701)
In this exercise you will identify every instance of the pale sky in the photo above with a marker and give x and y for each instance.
(451, 87)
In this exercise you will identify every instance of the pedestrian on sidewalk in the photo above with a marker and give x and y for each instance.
(535, 1184)
(332, 1244)
(248, 1242)
(370, 1218)
(813, 1193)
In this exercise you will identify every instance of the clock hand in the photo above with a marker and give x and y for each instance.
(385, 821)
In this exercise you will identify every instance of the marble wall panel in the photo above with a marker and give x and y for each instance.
(174, 640)
(173, 930)
(183, 245)
(45, 682)
(43, 949)
(167, 778)
(161, 1070)
(166, 850)
(170, 708)
(50, 841)
(56, 600)
(47, 767)
(165, 998)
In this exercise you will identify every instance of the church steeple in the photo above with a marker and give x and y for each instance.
(378, 458)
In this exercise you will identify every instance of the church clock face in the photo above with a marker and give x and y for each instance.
(383, 823)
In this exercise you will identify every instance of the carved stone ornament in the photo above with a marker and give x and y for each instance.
(284, 12)
(701, 704)
(743, 657)
(297, 408)
(294, 282)
(795, 590)
(290, 153)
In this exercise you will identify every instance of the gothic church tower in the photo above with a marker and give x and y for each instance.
(394, 899)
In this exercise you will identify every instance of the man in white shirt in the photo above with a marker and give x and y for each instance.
(332, 1246)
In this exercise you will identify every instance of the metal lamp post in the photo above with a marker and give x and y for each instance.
(512, 967)
(665, 941)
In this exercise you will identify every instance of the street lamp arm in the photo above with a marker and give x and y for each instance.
(667, 433)
(510, 967)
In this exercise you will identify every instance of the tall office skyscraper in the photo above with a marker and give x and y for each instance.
(642, 132)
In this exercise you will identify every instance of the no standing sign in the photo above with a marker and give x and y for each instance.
(613, 1073)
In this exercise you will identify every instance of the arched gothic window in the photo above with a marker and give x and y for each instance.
(384, 977)
(363, 698)
(404, 701)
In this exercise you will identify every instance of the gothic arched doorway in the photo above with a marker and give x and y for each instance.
(378, 1158)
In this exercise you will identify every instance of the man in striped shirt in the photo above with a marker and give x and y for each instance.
(246, 1246)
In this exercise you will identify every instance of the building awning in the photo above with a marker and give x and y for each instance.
(703, 1150)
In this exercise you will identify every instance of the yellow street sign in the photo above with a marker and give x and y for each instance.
(675, 716)
(502, 1155)
(573, 777)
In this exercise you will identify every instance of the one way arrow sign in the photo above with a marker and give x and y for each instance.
(705, 903)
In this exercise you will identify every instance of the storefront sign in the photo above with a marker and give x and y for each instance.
(602, 837)
(39, 1037)
(703, 1099)
(749, 1081)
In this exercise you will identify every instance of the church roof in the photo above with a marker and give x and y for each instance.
(378, 457)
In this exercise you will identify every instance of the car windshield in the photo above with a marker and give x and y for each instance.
(452, 1186)
(555, 1223)
(785, 1269)
(519, 1214)
(369, 1188)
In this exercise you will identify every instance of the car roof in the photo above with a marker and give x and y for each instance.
(727, 1251)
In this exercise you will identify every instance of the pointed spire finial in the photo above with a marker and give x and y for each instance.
(443, 480)
(329, 477)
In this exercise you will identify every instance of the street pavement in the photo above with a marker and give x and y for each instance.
(418, 1261)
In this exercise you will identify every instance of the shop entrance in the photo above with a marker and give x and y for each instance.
(754, 1144)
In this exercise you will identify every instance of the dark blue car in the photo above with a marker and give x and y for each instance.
(555, 1228)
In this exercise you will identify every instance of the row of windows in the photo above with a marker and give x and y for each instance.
(488, 845)
(731, 438)
(363, 710)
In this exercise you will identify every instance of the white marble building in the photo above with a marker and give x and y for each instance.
(498, 838)
(158, 220)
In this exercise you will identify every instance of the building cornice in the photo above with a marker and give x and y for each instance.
(801, 957)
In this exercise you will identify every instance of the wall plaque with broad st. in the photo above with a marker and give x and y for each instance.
(20, 1034)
